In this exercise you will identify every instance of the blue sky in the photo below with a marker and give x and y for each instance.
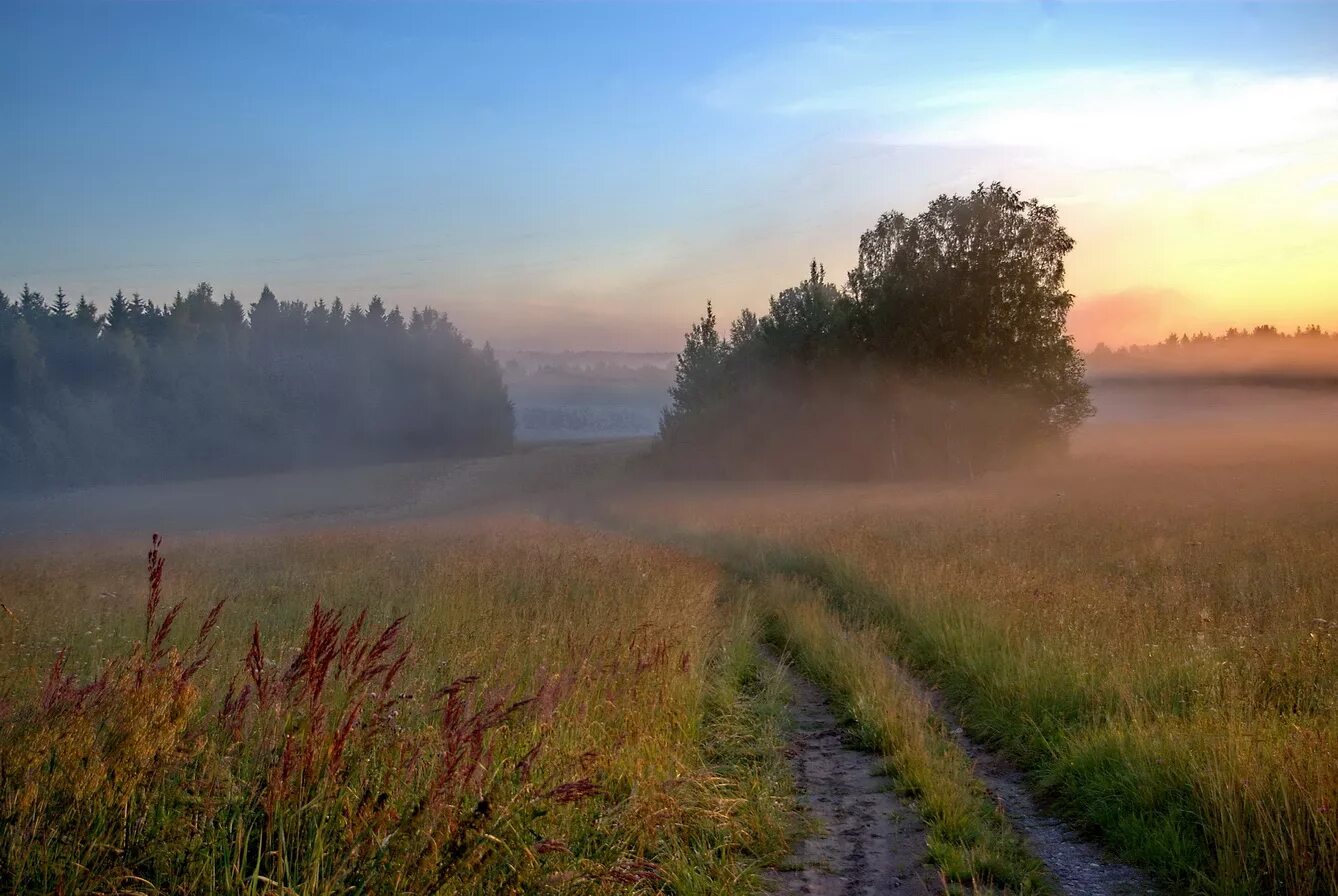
(581, 175)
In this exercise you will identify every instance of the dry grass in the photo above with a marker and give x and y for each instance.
(553, 713)
(1151, 628)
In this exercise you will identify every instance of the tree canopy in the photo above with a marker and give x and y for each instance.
(946, 351)
(202, 385)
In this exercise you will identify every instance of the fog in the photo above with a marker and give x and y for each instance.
(1190, 400)
(325, 498)
(1138, 425)
(586, 395)
(200, 386)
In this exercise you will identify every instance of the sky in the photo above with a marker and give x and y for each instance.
(586, 175)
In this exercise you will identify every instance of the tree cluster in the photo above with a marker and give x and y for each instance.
(202, 386)
(946, 352)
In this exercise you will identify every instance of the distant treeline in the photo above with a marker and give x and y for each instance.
(1263, 353)
(587, 395)
(203, 386)
(600, 381)
(585, 421)
(529, 361)
(946, 352)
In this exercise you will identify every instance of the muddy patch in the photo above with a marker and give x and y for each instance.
(866, 839)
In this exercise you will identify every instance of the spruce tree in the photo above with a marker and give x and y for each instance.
(176, 390)
(120, 313)
(32, 306)
(86, 316)
(697, 384)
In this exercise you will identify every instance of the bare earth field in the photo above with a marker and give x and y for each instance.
(1129, 656)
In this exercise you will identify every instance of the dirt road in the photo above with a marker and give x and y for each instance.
(868, 841)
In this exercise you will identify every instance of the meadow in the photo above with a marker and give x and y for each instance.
(1149, 630)
(500, 706)
(446, 698)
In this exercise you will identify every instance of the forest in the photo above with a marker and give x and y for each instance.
(203, 386)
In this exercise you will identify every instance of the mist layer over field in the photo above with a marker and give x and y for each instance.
(1145, 624)
(1149, 626)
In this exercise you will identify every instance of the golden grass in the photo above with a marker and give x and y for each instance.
(597, 691)
(1151, 627)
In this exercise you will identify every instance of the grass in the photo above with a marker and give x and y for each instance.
(745, 716)
(502, 706)
(1149, 630)
(970, 840)
(1186, 713)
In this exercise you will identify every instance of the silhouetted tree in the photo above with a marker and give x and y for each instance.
(119, 314)
(1309, 355)
(32, 306)
(61, 306)
(697, 374)
(86, 315)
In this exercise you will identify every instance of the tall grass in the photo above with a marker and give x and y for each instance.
(1184, 706)
(1151, 634)
(502, 707)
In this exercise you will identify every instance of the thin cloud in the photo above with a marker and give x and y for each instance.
(1181, 128)
(1113, 119)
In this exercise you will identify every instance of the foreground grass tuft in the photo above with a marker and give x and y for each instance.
(514, 708)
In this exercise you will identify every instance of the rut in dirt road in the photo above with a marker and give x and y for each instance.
(1077, 866)
(868, 840)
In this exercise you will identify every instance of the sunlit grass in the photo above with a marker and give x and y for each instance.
(567, 718)
(1151, 631)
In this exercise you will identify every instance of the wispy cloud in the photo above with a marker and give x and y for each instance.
(1107, 134)
(1194, 190)
(1120, 118)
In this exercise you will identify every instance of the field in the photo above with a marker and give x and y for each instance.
(1149, 630)
(1145, 633)
(557, 710)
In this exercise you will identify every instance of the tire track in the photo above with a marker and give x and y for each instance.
(1078, 866)
(869, 841)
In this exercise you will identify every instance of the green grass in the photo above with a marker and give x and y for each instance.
(970, 841)
(744, 742)
(1151, 633)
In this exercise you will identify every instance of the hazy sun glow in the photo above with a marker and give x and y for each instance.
(1218, 189)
